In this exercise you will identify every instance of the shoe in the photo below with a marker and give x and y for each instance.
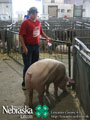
(23, 87)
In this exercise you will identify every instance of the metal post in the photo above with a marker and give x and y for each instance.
(69, 59)
(8, 47)
(3, 39)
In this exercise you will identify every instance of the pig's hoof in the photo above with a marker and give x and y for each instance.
(31, 105)
(56, 96)
(23, 87)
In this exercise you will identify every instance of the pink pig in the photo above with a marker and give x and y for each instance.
(43, 72)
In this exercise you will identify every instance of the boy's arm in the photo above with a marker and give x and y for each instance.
(45, 36)
(25, 50)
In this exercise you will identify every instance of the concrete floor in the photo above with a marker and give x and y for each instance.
(11, 94)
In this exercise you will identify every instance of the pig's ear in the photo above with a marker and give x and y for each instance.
(30, 74)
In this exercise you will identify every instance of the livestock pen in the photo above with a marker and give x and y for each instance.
(76, 61)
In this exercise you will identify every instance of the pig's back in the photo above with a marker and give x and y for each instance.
(44, 65)
(44, 70)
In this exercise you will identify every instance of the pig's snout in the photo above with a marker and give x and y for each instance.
(69, 80)
(71, 83)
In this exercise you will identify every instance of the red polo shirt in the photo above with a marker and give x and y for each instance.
(31, 31)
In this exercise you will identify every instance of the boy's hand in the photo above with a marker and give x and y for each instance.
(25, 50)
(48, 41)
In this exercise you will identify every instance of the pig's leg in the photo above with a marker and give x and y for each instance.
(55, 90)
(47, 88)
(31, 97)
(41, 98)
(41, 94)
(63, 85)
(63, 88)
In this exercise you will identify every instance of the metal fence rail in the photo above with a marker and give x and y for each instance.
(81, 73)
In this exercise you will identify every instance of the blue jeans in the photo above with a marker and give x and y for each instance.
(30, 58)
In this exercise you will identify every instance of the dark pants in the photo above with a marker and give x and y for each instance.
(30, 58)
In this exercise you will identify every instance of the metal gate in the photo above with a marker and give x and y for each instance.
(81, 74)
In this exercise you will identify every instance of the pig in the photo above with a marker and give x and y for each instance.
(1, 44)
(41, 74)
(15, 42)
(63, 49)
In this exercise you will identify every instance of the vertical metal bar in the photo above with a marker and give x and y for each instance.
(69, 59)
(3, 39)
(8, 48)
(8, 42)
